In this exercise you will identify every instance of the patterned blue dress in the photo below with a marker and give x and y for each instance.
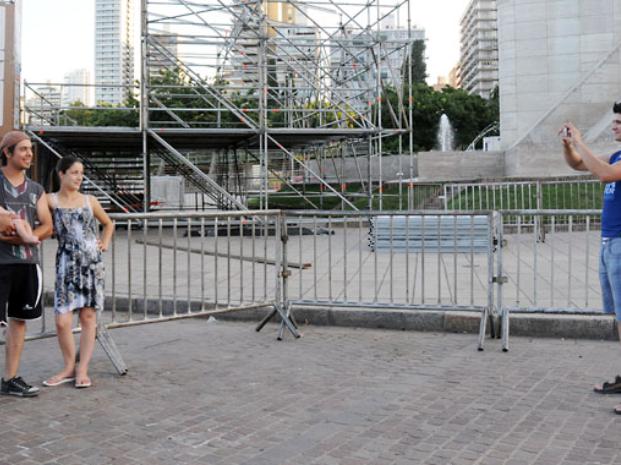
(79, 264)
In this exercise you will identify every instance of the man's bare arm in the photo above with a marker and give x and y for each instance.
(580, 157)
(6, 222)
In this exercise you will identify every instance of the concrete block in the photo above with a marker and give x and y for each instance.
(596, 8)
(358, 317)
(532, 30)
(533, 47)
(597, 43)
(530, 11)
(567, 45)
(563, 8)
(531, 109)
(531, 65)
(566, 326)
(462, 322)
(459, 165)
(599, 327)
(608, 75)
(564, 64)
(563, 27)
(591, 93)
(529, 85)
(560, 82)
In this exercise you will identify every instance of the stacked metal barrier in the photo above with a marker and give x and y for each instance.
(432, 233)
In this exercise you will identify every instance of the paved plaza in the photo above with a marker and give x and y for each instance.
(217, 392)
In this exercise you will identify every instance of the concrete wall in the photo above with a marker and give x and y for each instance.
(530, 159)
(349, 170)
(446, 166)
(559, 60)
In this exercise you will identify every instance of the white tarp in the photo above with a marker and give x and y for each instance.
(169, 191)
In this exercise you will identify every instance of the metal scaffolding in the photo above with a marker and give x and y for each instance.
(290, 87)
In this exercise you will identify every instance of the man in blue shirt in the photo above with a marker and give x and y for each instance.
(608, 170)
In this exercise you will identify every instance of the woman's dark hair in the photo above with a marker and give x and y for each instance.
(66, 162)
(616, 108)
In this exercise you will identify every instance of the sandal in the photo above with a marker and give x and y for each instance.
(57, 381)
(84, 384)
(609, 388)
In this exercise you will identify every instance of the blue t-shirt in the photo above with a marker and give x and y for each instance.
(611, 212)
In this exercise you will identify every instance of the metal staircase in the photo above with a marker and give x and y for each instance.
(115, 179)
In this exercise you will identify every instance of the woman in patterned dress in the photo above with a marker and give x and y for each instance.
(79, 269)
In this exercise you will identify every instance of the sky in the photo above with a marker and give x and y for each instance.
(57, 36)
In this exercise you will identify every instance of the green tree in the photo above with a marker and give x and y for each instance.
(469, 115)
(415, 60)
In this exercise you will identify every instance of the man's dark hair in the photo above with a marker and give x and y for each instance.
(66, 162)
(616, 108)
(10, 149)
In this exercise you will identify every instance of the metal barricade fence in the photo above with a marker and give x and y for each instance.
(411, 270)
(165, 266)
(562, 194)
(558, 275)
(171, 265)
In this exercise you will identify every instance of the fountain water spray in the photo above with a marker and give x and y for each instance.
(446, 135)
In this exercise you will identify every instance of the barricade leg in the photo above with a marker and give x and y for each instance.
(286, 320)
(505, 330)
(485, 314)
(290, 319)
(111, 350)
(265, 320)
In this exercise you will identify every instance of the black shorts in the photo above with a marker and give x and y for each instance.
(21, 290)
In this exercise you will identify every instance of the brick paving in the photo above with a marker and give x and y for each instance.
(203, 392)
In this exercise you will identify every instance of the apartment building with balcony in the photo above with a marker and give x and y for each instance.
(114, 51)
(478, 64)
(77, 87)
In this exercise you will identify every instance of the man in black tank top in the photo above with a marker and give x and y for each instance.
(20, 273)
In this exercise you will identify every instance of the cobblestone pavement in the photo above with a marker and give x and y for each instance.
(203, 392)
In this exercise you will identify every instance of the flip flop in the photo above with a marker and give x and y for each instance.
(49, 383)
(83, 385)
(609, 387)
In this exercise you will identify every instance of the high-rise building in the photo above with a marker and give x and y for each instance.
(114, 51)
(353, 64)
(162, 58)
(394, 44)
(43, 107)
(10, 14)
(77, 88)
(478, 66)
(241, 62)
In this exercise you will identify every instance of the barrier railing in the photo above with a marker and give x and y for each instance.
(537, 194)
(558, 275)
(165, 266)
(409, 271)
